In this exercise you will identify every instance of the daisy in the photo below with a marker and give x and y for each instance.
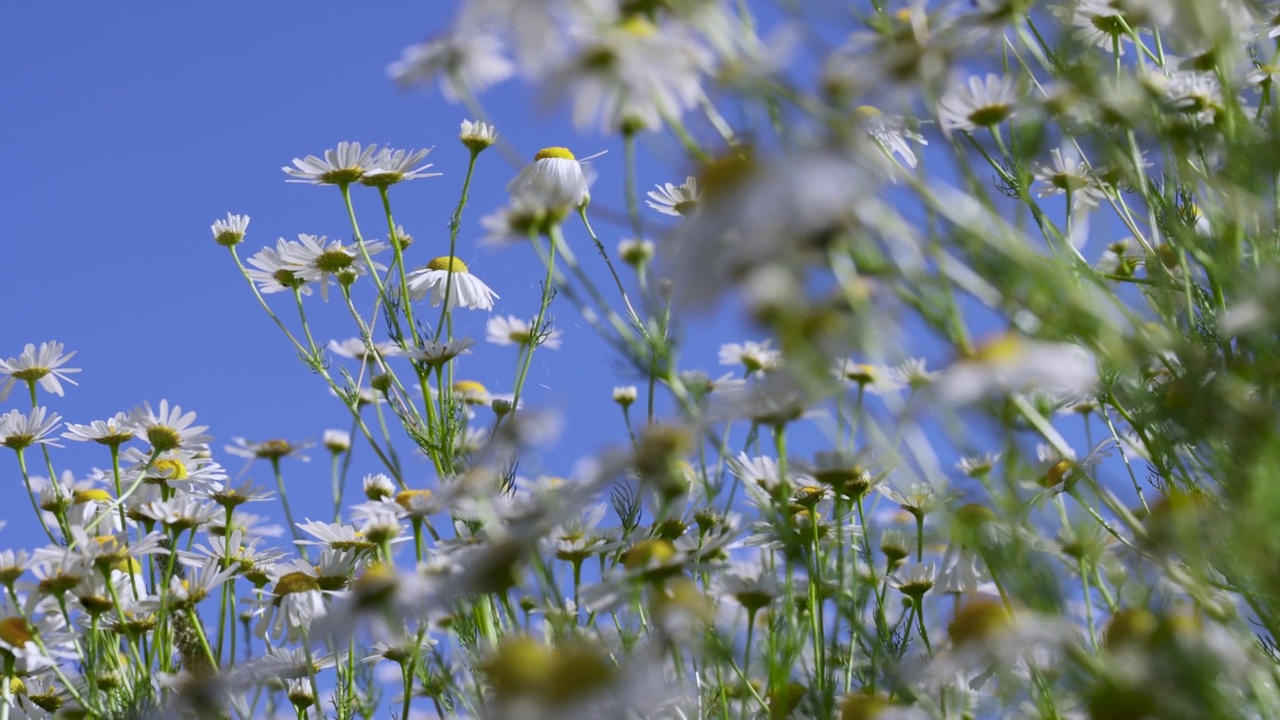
(292, 605)
(982, 103)
(231, 231)
(179, 513)
(339, 167)
(676, 200)
(465, 64)
(913, 373)
(112, 432)
(311, 260)
(389, 167)
(439, 352)
(334, 536)
(1011, 363)
(890, 133)
(755, 357)
(511, 330)
(554, 181)
(19, 431)
(176, 469)
(631, 75)
(914, 580)
(168, 429)
(1068, 173)
(271, 450)
(919, 500)
(476, 136)
(636, 253)
(748, 585)
(336, 441)
(875, 379)
(358, 349)
(450, 275)
(1197, 95)
(43, 365)
(272, 274)
(624, 395)
(377, 487)
(521, 220)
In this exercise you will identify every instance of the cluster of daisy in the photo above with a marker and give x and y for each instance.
(958, 470)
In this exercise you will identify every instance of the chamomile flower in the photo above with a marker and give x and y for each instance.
(317, 259)
(112, 432)
(875, 379)
(890, 133)
(450, 275)
(389, 167)
(511, 330)
(477, 135)
(982, 102)
(439, 352)
(630, 74)
(914, 580)
(293, 604)
(1011, 363)
(675, 200)
(170, 428)
(20, 431)
(43, 366)
(343, 166)
(756, 357)
(336, 441)
(271, 273)
(554, 181)
(271, 450)
(230, 231)
(464, 63)
(357, 349)
(1069, 173)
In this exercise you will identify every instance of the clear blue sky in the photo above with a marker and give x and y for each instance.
(132, 127)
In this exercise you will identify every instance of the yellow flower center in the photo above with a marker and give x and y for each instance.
(637, 25)
(274, 449)
(296, 582)
(14, 632)
(169, 469)
(81, 497)
(470, 390)
(405, 498)
(863, 113)
(448, 264)
(557, 153)
(1004, 348)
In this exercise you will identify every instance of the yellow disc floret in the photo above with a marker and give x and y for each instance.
(449, 264)
(557, 153)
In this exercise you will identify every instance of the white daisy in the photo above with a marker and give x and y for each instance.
(312, 260)
(342, 166)
(630, 74)
(357, 349)
(19, 431)
(676, 200)
(511, 330)
(168, 429)
(914, 580)
(336, 441)
(983, 102)
(292, 605)
(389, 167)
(636, 253)
(450, 275)
(230, 231)
(477, 136)
(755, 357)
(890, 132)
(267, 449)
(112, 432)
(554, 181)
(43, 365)
(522, 219)
(466, 64)
(1011, 363)
(1068, 172)
(439, 352)
(272, 274)
(624, 395)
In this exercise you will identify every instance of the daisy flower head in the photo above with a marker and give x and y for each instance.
(293, 604)
(464, 63)
(389, 167)
(230, 232)
(271, 450)
(675, 200)
(168, 429)
(511, 330)
(448, 280)
(42, 365)
(112, 432)
(554, 181)
(20, 431)
(316, 259)
(890, 133)
(1069, 173)
(982, 102)
(1011, 363)
(439, 352)
(341, 167)
(357, 349)
(875, 379)
(271, 273)
(624, 395)
(914, 580)
(636, 253)
(629, 75)
(755, 357)
(476, 135)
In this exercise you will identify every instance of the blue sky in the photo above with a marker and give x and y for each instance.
(133, 127)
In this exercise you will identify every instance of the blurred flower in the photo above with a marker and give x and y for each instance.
(268, 449)
(890, 133)
(981, 103)
(511, 330)
(1012, 363)
(465, 63)
(755, 357)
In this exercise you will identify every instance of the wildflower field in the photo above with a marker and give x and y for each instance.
(946, 387)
